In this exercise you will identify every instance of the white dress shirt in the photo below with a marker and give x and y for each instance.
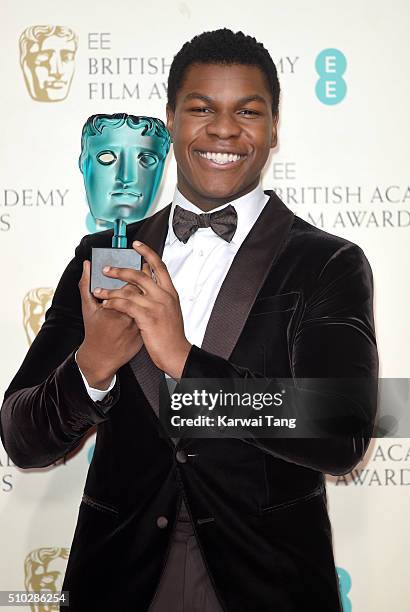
(198, 267)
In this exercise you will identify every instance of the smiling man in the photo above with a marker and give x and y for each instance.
(225, 121)
(234, 286)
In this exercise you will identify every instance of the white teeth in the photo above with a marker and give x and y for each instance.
(221, 158)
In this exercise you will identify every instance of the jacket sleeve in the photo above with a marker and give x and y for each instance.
(46, 409)
(335, 343)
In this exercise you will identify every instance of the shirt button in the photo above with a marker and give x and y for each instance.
(162, 522)
(201, 253)
(181, 456)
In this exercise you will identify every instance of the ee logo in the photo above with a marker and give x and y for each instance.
(331, 87)
(345, 584)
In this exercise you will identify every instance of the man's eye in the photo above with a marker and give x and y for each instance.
(248, 111)
(201, 110)
(148, 159)
(106, 158)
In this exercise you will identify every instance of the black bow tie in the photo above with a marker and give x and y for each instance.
(223, 222)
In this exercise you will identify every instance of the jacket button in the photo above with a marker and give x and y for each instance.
(181, 456)
(162, 522)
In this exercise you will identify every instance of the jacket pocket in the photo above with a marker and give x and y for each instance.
(100, 506)
(275, 303)
(293, 502)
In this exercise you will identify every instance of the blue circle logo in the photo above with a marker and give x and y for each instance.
(331, 87)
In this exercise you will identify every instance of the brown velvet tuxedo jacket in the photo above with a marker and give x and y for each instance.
(296, 302)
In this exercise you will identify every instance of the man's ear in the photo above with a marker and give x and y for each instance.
(274, 139)
(170, 119)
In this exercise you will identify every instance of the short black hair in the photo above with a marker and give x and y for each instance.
(223, 47)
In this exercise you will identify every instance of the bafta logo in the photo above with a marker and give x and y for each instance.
(44, 569)
(47, 55)
(35, 304)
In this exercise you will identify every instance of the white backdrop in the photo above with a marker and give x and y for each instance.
(342, 163)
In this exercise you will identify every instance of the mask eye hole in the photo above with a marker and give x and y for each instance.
(148, 160)
(106, 158)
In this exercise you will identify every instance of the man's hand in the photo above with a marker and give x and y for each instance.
(150, 299)
(111, 338)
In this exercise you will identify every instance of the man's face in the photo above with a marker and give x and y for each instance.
(122, 172)
(222, 131)
(51, 64)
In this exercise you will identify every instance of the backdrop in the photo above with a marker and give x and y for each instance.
(341, 163)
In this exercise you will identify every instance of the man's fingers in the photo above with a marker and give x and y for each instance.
(146, 269)
(138, 278)
(125, 307)
(159, 270)
(127, 292)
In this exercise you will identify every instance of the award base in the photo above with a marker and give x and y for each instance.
(119, 258)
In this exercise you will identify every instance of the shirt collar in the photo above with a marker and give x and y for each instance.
(248, 208)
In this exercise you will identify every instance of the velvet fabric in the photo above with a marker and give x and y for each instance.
(296, 302)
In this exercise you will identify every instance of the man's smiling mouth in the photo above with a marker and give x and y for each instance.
(221, 159)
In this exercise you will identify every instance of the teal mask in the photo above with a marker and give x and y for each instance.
(122, 161)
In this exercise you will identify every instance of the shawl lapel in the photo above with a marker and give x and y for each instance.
(246, 276)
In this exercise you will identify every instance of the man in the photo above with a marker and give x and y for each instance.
(260, 293)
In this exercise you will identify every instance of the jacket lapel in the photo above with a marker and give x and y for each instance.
(246, 276)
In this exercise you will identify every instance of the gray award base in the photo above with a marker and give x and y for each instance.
(119, 258)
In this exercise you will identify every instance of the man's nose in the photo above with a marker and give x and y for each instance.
(224, 125)
(128, 167)
(56, 65)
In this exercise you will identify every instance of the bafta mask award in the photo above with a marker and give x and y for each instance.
(122, 160)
